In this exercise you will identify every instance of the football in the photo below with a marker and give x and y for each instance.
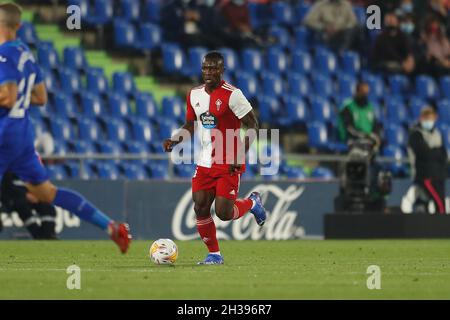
(163, 251)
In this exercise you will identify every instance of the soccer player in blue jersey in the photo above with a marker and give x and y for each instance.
(21, 84)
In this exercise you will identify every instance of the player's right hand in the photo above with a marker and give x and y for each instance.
(168, 145)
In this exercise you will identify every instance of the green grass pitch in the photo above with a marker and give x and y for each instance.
(410, 269)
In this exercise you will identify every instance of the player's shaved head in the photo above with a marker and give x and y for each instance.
(10, 15)
(215, 56)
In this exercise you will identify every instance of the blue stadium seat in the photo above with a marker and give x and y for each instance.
(351, 63)
(282, 13)
(102, 13)
(272, 84)
(415, 106)
(323, 86)
(136, 147)
(445, 131)
(70, 81)
(134, 171)
(173, 108)
(294, 173)
(196, 55)
(96, 81)
(142, 131)
(396, 135)
(110, 147)
(123, 83)
(252, 60)
(426, 87)
(347, 86)
(325, 62)
(151, 10)
(65, 106)
(322, 110)
(62, 129)
(61, 148)
(301, 62)
(117, 130)
(443, 108)
(75, 171)
(118, 105)
(260, 14)
(299, 85)
(396, 111)
(398, 84)
(56, 172)
(322, 173)
(48, 57)
(83, 5)
(27, 33)
(317, 134)
(173, 58)
(231, 59)
(444, 83)
(50, 81)
(277, 61)
(283, 39)
(89, 130)
(107, 170)
(297, 111)
(302, 37)
(84, 147)
(125, 35)
(167, 127)
(74, 58)
(248, 83)
(301, 10)
(159, 170)
(397, 168)
(360, 13)
(376, 85)
(268, 108)
(184, 170)
(150, 36)
(145, 105)
(92, 105)
(130, 10)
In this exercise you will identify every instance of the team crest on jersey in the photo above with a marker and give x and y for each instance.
(218, 104)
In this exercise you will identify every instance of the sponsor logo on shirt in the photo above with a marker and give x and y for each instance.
(209, 121)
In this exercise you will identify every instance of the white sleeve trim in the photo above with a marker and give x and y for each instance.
(239, 104)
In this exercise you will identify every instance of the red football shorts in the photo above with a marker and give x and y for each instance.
(216, 180)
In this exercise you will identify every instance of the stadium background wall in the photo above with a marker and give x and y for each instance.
(157, 209)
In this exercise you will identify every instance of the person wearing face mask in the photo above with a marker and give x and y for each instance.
(437, 48)
(392, 51)
(357, 118)
(428, 158)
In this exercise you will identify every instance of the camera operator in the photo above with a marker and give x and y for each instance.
(428, 158)
(356, 120)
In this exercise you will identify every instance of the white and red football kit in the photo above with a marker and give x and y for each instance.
(215, 113)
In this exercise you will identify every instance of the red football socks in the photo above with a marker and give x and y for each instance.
(207, 230)
(241, 207)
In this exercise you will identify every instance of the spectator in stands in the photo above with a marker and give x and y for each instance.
(392, 52)
(440, 9)
(335, 23)
(357, 118)
(428, 161)
(437, 47)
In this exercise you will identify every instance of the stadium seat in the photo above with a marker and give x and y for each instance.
(268, 108)
(282, 13)
(96, 81)
(248, 83)
(325, 62)
(301, 10)
(396, 152)
(89, 130)
(301, 62)
(50, 81)
(145, 105)
(396, 111)
(136, 147)
(252, 60)
(360, 13)
(322, 110)
(443, 108)
(166, 128)
(277, 61)
(283, 39)
(395, 135)
(376, 86)
(77, 171)
(195, 55)
(317, 134)
(302, 37)
(347, 86)
(231, 59)
(351, 63)
(123, 83)
(173, 108)
(134, 171)
(444, 83)
(152, 10)
(110, 147)
(260, 14)
(322, 173)
(102, 13)
(323, 86)
(184, 170)
(415, 106)
(125, 35)
(65, 106)
(149, 36)
(272, 84)
(295, 173)
(92, 105)
(117, 130)
(297, 111)
(74, 58)
(130, 10)
(48, 57)
(70, 81)
(62, 129)
(118, 105)
(426, 87)
(84, 147)
(27, 33)
(173, 58)
(107, 171)
(142, 131)
(445, 131)
(56, 172)
(159, 170)
(299, 85)
(398, 84)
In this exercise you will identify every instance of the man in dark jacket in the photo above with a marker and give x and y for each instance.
(428, 161)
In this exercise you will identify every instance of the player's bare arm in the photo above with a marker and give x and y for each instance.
(168, 144)
(8, 95)
(39, 95)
